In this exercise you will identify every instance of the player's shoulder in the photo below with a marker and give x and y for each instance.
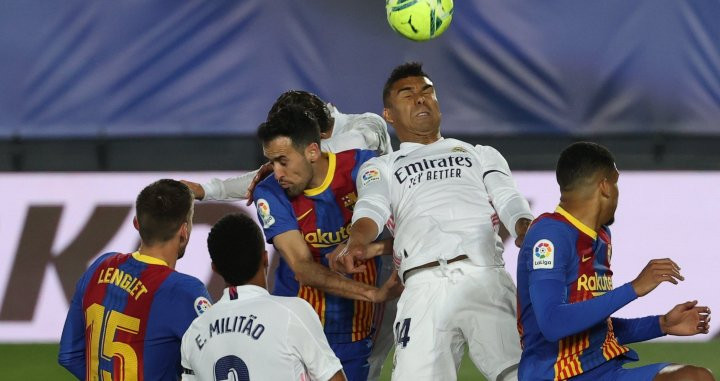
(355, 156)
(185, 286)
(548, 223)
(487, 152)
(550, 227)
(107, 257)
(269, 184)
(294, 307)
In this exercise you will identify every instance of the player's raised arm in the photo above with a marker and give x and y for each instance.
(512, 208)
(369, 132)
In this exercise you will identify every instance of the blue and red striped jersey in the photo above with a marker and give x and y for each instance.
(322, 215)
(560, 248)
(127, 318)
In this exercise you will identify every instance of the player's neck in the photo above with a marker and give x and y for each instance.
(411, 137)
(168, 252)
(260, 280)
(320, 171)
(583, 211)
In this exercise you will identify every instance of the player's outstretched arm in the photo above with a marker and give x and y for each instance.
(294, 250)
(197, 189)
(557, 319)
(234, 188)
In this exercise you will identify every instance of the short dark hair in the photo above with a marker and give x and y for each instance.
(236, 244)
(309, 102)
(580, 161)
(293, 122)
(408, 69)
(161, 208)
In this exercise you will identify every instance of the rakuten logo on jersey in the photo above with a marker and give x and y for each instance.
(319, 238)
(597, 284)
(432, 169)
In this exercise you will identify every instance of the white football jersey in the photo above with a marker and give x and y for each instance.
(350, 131)
(446, 199)
(250, 334)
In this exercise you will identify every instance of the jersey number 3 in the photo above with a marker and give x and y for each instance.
(103, 325)
(231, 368)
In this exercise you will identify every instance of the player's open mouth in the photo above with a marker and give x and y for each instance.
(422, 114)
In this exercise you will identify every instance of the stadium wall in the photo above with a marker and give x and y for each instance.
(54, 224)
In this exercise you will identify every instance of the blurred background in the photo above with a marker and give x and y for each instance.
(98, 99)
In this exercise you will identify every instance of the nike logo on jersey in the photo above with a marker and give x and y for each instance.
(586, 258)
(304, 214)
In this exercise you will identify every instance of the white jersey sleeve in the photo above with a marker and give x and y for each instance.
(306, 340)
(373, 187)
(233, 188)
(365, 131)
(504, 195)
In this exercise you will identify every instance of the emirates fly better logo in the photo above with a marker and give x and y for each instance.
(543, 254)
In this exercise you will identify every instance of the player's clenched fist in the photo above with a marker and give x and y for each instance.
(348, 258)
(656, 272)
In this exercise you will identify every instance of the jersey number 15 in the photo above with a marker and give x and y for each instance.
(103, 325)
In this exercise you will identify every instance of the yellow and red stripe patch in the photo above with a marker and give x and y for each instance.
(611, 348)
(363, 316)
(569, 350)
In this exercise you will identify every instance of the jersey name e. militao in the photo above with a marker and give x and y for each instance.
(323, 216)
(564, 249)
(127, 319)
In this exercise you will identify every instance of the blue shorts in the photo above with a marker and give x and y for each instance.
(613, 371)
(353, 357)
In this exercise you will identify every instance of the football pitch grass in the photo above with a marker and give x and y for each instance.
(39, 361)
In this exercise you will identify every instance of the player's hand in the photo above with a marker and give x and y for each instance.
(349, 258)
(262, 173)
(521, 227)
(656, 272)
(196, 188)
(686, 319)
(391, 289)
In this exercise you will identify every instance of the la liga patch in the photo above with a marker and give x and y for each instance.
(370, 175)
(201, 305)
(543, 254)
(263, 209)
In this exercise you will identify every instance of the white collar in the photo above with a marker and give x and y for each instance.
(411, 146)
(244, 292)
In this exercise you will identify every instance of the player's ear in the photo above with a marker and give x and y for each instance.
(265, 261)
(387, 115)
(184, 232)
(312, 152)
(214, 269)
(136, 224)
(605, 187)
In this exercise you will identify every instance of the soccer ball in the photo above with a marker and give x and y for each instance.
(419, 20)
